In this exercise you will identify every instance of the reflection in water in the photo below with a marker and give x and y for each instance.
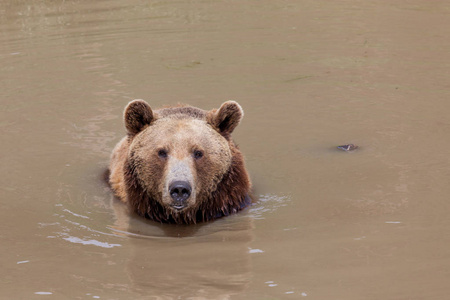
(216, 267)
(77, 240)
(43, 293)
(74, 214)
(203, 261)
(251, 251)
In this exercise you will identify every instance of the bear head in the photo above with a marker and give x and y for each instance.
(182, 165)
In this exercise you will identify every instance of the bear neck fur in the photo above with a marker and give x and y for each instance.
(231, 195)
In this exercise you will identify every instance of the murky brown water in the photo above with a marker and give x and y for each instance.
(310, 75)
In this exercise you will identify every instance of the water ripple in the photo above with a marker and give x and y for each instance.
(76, 240)
(267, 204)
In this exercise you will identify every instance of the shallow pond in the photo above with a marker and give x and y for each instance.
(310, 75)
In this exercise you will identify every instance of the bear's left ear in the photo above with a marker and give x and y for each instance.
(227, 117)
(137, 115)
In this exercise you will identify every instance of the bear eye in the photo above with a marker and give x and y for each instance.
(198, 154)
(162, 153)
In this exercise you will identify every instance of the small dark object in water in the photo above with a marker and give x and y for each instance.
(349, 147)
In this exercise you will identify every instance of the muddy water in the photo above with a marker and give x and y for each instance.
(310, 75)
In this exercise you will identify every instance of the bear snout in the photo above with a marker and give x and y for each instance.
(180, 191)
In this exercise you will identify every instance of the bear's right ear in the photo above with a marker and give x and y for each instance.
(137, 115)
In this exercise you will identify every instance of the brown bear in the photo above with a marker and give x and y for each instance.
(179, 164)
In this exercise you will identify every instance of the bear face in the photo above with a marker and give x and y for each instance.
(179, 164)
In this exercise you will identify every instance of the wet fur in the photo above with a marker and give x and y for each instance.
(230, 194)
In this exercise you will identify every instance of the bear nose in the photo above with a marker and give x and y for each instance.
(180, 191)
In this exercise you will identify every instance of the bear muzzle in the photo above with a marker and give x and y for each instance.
(180, 191)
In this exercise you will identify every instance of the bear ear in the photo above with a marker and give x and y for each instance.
(227, 117)
(137, 115)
